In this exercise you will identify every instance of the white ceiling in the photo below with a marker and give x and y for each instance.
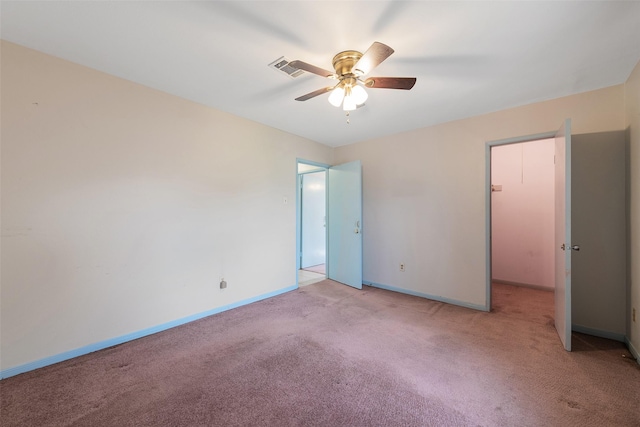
(469, 58)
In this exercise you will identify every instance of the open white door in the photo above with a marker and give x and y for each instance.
(563, 234)
(344, 220)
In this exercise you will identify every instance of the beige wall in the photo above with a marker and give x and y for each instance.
(632, 122)
(424, 193)
(123, 207)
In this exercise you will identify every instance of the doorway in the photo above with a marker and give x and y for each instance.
(522, 229)
(561, 246)
(522, 214)
(342, 221)
(312, 219)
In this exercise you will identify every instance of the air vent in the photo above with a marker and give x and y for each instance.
(282, 64)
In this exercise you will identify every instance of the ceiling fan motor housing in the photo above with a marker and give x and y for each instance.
(344, 62)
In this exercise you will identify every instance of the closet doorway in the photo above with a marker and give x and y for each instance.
(520, 256)
(522, 229)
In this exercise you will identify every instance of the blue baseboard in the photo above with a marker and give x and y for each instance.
(599, 333)
(133, 336)
(427, 296)
(632, 349)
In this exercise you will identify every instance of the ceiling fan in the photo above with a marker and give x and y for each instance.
(350, 68)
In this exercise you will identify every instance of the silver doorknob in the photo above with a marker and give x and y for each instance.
(574, 247)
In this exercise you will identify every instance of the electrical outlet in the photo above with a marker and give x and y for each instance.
(223, 284)
(402, 267)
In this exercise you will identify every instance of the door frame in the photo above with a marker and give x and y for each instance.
(320, 166)
(487, 198)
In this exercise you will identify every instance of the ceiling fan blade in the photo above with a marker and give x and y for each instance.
(301, 65)
(376, 53)
(314, 93)
(405, 83)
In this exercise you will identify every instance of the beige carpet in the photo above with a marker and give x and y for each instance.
(331, 355)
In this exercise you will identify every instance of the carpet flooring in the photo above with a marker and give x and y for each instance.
(330, 355)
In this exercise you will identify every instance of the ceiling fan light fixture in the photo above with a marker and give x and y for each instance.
(359, 95)
(336, 96)
(349, 103)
